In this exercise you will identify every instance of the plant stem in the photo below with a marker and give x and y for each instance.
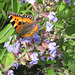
(28, 9)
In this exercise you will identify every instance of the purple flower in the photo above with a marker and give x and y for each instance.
(34, 58)
(10, 38)
(6, 44)
(17, 45)
(10, 72)
(51, 16)
(15, 37)
(47, 41)
(33, 62)
(41, 53)
(16, 65)
(74, 3)
(27, 40)
(10, 48)
(56, 0)
(36, 39)
(53, 54)
(52, 13)
(43, 58)
(15, 48)
(59, 55)
(48, 58)
(49, 27)
(21, 1)
(68, 1)
(51, 46)
(30, 1)
(55, 19)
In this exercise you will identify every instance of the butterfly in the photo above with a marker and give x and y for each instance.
(24, 25)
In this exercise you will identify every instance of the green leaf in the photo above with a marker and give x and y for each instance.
(64, 47)
(6, 33)
(14, 5)
(10, 58)
(2, 5)
(40, 62)
(60, 14)
(4, 14)
(62, 6)
(19, 6)
(51, 72)
(24, 12)
(1, 1)
(72, 43)
(1, 46)
(51, 61)
(72, 3)
(58, 25)
(71, 66)
(72, 21)
(7, 59)
(0, 16)
(2, 52)
(71, 29)
(73, 35)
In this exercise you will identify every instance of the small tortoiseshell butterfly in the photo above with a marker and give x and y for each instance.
(24, 25)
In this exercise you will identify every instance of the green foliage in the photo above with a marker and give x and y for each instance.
(7, 59)
(70, 30)
(6, 33)
(51, 72)
(65, 26)
(2, 53)
(4, 14)
(71, 66)
(62, 6)
(14, 5)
